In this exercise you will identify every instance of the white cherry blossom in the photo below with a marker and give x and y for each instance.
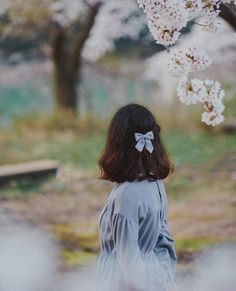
(194, 8)
(191, 91)
(207, 92)
(183, 62)
(165, 20)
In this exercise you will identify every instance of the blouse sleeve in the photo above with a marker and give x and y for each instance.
(136, 271)
(165, 245)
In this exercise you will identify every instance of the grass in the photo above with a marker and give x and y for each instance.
(189, 244)
(83, 240)
(77, 144)
(73, 258)
(25, 187)
(197, 147)
(81, 149)
(80, 152)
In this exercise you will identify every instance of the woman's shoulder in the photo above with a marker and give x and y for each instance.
(138, 184)
(136, 188)
(134, 198)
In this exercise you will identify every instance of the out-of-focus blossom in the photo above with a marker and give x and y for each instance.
(165, 20)
(194, 8)
(208, 92)
(116, 19)
(121, 18)
(183, 62)
(191, 91)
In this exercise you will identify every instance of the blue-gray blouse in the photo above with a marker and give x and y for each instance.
(137, 251)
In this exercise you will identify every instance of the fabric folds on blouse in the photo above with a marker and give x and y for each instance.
(137, 252)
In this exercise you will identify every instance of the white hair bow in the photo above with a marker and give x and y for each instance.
(144, 140)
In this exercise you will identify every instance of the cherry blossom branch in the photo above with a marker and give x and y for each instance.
(165, 20)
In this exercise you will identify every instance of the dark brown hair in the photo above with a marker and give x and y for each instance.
(120, 161)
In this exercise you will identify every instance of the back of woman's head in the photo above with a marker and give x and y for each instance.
(120, 160)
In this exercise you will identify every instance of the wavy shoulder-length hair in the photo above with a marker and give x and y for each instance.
(120, 161)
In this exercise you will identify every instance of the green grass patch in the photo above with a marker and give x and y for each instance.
(23, 187)
(195, 244)
(79, 147)
(83, 240)
(194, 148)
(74, 258)
(82, 151)
(178, 187)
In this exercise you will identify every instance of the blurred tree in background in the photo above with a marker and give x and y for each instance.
(77, 31)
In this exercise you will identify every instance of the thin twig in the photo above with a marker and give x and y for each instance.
(199, 23)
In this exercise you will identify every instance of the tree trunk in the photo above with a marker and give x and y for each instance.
(67, 62)
(228, 13)
(64, 74)
(65, 82)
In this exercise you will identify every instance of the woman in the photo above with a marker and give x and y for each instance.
(137, 252)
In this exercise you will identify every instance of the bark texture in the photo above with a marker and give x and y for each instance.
(67, 61)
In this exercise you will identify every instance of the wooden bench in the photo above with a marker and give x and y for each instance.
(28, 169)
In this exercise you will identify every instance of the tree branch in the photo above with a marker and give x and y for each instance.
(228, 13)
(57, 37)
(83, 35)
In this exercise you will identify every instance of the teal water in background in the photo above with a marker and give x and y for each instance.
(17, 100)
(99, 94)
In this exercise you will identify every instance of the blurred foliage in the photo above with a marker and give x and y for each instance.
(198, 147)
(189, 244)
(59, 121)
(73, 258)
(25, 187)
(71, 239)
(78, 142)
